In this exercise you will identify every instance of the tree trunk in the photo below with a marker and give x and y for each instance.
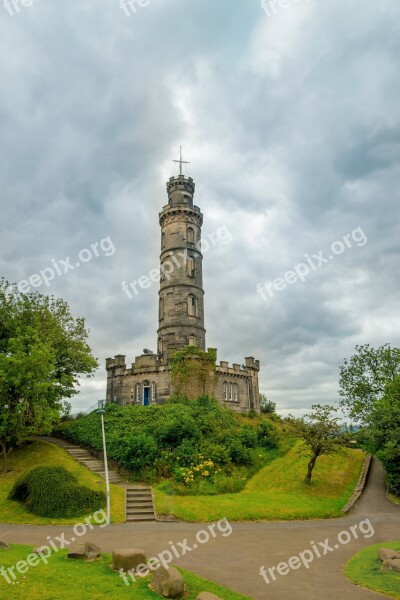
(310, 468)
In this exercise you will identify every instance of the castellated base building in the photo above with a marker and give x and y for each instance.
(181, 317)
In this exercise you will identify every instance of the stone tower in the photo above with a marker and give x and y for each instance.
(181, 295)
(147, 380)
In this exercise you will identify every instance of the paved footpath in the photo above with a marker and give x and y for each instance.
(235, 560)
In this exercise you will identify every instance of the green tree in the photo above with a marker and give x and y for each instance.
(321, 434)
(266, 405)
(381, 436)
(43, 350)
(363, 378)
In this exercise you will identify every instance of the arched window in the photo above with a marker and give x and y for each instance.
(161, 308)
(235, 392)
(138, 393)
(230, 393)
(190, 235)
(225, 391)
(163, 240)
(192, 306)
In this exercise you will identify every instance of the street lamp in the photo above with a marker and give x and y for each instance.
(101, 412)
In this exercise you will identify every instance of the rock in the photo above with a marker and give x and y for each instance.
(207, 596)
(77, 552)
(87, 551)
(168, 582)
(388, 554)
(128, 559)
(3, 546)
(391, 565)
(91, 550)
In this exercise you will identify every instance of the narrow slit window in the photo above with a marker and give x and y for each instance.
(192, 306)
(190, 267)
(190, 235)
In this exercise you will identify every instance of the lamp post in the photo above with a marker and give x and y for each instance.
(101, 412)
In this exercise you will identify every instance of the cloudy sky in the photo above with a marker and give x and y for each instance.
(289, 115)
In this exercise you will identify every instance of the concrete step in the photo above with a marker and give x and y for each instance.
(139, 505)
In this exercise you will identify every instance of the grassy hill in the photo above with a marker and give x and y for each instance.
(277, 492)
(37, 453)
(206, 462)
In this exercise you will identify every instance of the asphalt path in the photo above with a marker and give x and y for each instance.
(235, 560)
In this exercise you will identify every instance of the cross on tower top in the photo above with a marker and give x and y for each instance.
(181, 162)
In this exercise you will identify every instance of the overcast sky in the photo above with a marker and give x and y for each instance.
(290, 118)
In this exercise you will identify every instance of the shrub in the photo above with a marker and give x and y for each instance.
(267, 435)
(135, 451)
(239, 454)
(185, 453)
(248, 437)
(52, 491)
(38, 479)
(175, 431)
(219, 454)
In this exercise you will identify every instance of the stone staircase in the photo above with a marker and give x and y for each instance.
(139, 502)
(92, 463)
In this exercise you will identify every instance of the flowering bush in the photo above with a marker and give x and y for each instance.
(205, 468)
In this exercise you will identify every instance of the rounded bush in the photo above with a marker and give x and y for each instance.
(53, 492)
(37, 479)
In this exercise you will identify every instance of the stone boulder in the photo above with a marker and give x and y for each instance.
(92, 551)
(128, 559)
(391, 565)
(388, 554)
(3, 546)
(207, 596)
(77, 551)
(86, 551)
(168, 582)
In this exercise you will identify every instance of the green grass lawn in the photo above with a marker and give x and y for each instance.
(66, 579)
(40, 453)
(277, 492)
(363, 569)
(394, 499)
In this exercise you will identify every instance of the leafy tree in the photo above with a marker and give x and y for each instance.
(266, 405)
(381, 436)
(321, 434)
(193, 371)
(363, 378)
(43, 350)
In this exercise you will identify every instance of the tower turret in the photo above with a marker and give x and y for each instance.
(181, 295)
